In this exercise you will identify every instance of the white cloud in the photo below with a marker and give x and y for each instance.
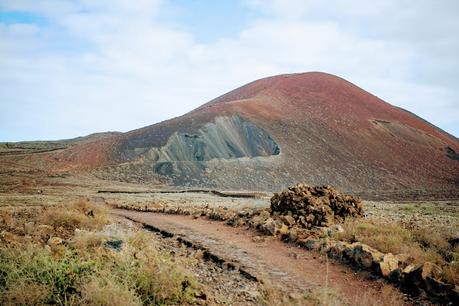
(110, 65)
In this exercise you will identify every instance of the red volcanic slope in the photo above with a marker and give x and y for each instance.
(329, 131)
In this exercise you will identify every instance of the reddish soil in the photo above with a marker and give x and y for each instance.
(329, 132)
(273, 261)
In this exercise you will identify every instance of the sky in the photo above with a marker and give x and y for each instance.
(73, 67)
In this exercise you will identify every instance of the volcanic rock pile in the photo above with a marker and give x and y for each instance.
(315, 206)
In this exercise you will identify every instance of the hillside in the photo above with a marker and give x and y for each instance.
(311, 127)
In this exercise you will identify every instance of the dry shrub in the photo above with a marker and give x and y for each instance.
(26, 293)
(86, 270)
(28, 265)
(388, 296)
(157, 277)
(81, 214)
(88, 241)
(108, 292)
(323, 296)
(6, 219)
(431, 239)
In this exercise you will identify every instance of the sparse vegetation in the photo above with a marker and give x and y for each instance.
(421, 243)
(84, 269)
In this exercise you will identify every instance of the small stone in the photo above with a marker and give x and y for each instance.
(310, 244)
(29, 228)
(269, 227)
(409, 268)
(337, 228)
(115, 244)
(288, 220)
(293, 235)
(282, 230)
(55, 241)
(295, 296)
(252, 295)
(258, 239)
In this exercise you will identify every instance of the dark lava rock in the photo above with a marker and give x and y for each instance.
(315, 206)
(115, 245)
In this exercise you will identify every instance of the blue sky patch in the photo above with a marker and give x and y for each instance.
(11, 17)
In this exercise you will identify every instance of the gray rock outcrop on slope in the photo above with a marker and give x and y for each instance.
(226, 138)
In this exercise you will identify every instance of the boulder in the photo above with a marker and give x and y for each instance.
(365, 256)
(281, 228)
(408, 269)
(310, 244)
(404, 260)
(337, 249)
(293, 235)
(258, 220)
(430, 270)
(388, 264)
(268, 227)
(274, 227)
(425, 276)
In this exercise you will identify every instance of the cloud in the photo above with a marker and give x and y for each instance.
(110, 65)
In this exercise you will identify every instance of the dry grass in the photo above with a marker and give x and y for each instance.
(387, 297)
(81, 214)
(85, 270)
(422, 244)
(108, 292)
(25, 293)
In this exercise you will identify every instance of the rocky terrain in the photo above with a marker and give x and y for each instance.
(315, 218)
(255, 248)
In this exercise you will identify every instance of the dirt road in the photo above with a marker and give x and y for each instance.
(269, 260)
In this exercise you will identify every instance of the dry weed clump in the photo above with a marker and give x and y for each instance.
(26, 293)
(85, 268)
(81, 214)
(108, 292)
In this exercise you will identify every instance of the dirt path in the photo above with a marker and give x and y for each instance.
(271, 261)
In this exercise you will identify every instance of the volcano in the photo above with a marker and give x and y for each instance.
(310, 127)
